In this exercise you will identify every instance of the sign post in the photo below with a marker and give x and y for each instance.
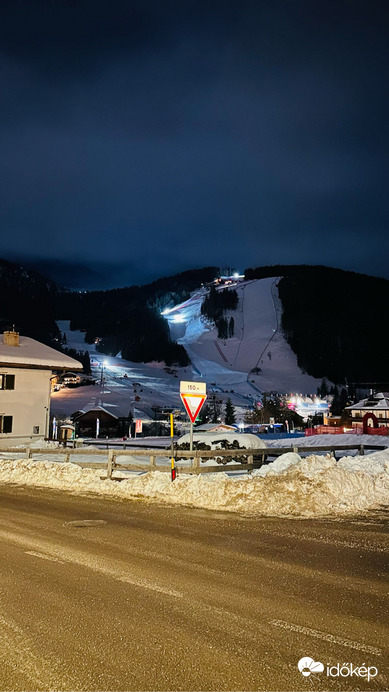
(138, 426)
(173, 468)
(193, 395)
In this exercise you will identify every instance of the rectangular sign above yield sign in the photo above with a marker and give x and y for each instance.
(193, 388)
(193, 395)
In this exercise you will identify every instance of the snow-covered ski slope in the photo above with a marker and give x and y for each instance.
(228, 367)
(257, 355)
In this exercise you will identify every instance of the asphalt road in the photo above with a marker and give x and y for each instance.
(101, 594)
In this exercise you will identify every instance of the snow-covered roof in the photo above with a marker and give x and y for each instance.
(374, 401)
(245, 440)
(31, 353)
(215, 427)
(96, 409)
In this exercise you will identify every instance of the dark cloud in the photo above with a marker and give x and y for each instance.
(162, 136)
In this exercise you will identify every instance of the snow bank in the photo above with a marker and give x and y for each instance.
(245, 440)
(38, 443)
(290, 486)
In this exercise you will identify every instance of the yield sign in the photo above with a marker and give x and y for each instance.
(193, 404)
(193, 395)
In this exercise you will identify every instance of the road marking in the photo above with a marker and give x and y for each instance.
(43, 556)
(80, 523)
(150, 585)
(75, 557)
(325, 637)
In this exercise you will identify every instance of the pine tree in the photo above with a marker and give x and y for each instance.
(229, 413)
(205, 414)
(335, 405)
(323, 389)
(215, 410)
(222, 328)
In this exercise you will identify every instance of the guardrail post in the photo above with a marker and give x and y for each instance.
(250, 461)
(196, 463)
(28, 452)
(361, 450)
(296, 450)
(110, 463)
(152, 461)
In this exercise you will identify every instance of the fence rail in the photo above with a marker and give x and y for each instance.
(252, 458)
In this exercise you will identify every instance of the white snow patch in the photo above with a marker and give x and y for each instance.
(281, 464)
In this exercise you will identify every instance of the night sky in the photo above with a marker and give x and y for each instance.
(140, 139)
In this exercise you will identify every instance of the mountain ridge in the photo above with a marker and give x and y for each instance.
(336, 321)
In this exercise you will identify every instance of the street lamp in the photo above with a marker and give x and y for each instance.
(132, 411)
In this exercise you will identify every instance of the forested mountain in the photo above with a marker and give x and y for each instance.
(125, 319)
(129, 319)
(337, 322)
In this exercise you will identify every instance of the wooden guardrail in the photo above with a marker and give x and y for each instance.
(253, 458)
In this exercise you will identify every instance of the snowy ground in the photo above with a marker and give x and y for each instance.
(290, 486)
(323, 440)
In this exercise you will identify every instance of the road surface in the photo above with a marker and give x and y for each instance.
(101, 594)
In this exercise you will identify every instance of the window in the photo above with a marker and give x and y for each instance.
(5, 424)
(7, 381)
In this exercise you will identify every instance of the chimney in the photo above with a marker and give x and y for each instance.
(11, 338)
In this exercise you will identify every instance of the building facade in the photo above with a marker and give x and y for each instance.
(372, 412)
(26, 368)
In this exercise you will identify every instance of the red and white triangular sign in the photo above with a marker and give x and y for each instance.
(193, 395)
(193, 404)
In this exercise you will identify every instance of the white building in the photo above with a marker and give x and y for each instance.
(372, 412)
(26, 367)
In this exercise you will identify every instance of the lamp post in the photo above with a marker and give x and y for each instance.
(103, 365)
(132, 411)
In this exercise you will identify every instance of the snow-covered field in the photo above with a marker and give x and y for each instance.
(289, 486)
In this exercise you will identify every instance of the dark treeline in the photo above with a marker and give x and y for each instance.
(129, 320)
(27, 300)
(125, 319)
(81, 356)
(337, 322)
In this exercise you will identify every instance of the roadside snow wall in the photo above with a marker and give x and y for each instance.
(290, 486)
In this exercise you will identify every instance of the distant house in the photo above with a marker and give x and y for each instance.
(70, 378)
(372, 412)
(96, 422)
(26, 367)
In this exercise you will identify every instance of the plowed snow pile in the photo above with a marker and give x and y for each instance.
(290, 486)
